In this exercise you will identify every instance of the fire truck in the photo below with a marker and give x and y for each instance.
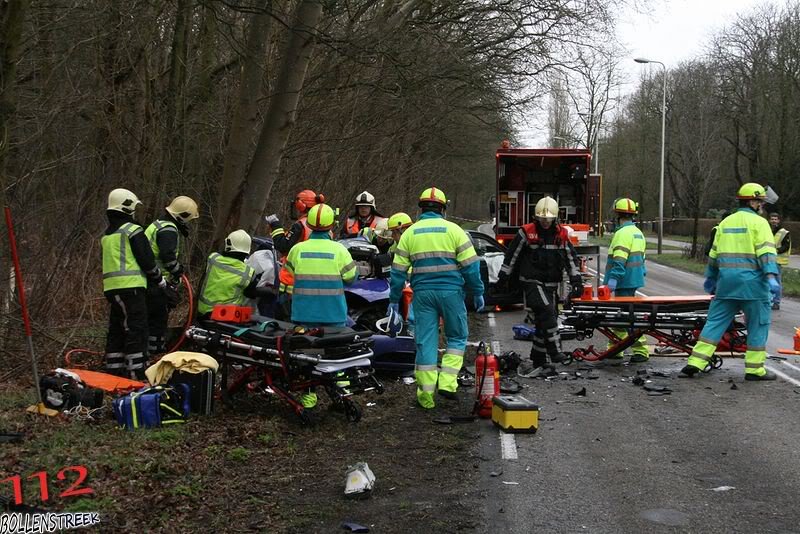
(525, 175)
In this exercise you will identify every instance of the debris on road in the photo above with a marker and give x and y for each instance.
(354, 527)
(722, 488)
(450, 419)
(509, 483)
(496, 473)
(359, 480)
(581, 393)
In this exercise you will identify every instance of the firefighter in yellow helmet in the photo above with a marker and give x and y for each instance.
(128, 267)
(321, 267)
(783, 248)
(167, 236)
(228, 279)
(625, 268)
(443, 261)
(742, 275)
(541, 253)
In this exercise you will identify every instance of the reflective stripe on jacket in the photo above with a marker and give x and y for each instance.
(120, 268)
(742, 255)
(442, 257)
(225, 282)
(353, 225)
(626, 257)
(320, 268)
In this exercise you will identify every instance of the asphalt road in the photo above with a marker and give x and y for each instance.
(706, 458)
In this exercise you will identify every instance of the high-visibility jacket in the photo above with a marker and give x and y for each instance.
(120, 268)
(780, 236)
(442, 257)
(152, 232)
(742, 255)
(626, 257)
(225, 282)
(320, 267)
(353, 226)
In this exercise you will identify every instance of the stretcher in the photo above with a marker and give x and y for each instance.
(673, 321)
(284, 359)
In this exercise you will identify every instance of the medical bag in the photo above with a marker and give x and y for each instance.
(60, 391)
(153, 407)
(201, 389)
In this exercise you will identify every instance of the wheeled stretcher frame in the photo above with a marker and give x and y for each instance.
(278, 365)
(673, 321)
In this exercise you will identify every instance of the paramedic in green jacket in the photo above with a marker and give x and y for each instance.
(742, 275)
(321, 267)
(442, 260)
(625, 269)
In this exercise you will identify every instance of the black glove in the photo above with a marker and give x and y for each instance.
(173, 298)
(176, 273)
(577, 287)
(502, 281)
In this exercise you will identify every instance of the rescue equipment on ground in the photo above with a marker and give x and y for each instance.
(515, 413)
(524, 332)
(673, 321)
(153, 407)
(62, 390)
(487, 381)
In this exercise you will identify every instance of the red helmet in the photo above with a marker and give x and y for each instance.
(307, 199)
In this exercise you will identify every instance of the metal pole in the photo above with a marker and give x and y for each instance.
(661, 181)
(22, 302)
(597, 152)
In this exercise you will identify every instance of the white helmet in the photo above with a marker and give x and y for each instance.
(365, 198)
(123, 200)
(546, 208)
(238, 241)
(183, 209)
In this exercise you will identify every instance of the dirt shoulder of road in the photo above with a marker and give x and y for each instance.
(252, 466)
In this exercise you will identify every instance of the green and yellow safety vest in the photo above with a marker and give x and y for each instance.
(226, 280)
(152, 232)
(120, 268)
(783, 257)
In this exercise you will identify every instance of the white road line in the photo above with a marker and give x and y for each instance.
(790, 365)
(783, 375)
(491, 319)
(508, 446)
(496, 348)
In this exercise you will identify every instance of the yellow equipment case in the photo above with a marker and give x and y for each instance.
(514, 413)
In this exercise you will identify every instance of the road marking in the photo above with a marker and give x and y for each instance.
(783, 375)
(508, 446)
(491, 319)
(790, 365)
(495, 347)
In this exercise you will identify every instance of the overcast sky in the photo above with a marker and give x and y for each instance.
(671, 31)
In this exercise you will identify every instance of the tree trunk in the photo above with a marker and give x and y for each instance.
(281, 113)
(243, 125)
(695, 253)
(176, 89)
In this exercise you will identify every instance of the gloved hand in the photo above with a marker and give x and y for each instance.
(478, 302)
(162, 283)
(173, 298)
(502, 281)
(395, 319)
(272, 220)
(577, 286)
(612, 284)
(176, 273)
(710, 286)
(774, 286)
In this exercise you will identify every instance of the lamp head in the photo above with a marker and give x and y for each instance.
(641, 60)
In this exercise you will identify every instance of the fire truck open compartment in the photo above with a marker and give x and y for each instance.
(524, 176)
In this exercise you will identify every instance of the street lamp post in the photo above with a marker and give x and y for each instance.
(663, 130)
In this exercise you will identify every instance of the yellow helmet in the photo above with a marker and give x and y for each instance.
(123, 201)
(238, 241)
(399, 221)
(626, 205)
(546, 208)
(183, 208)
(320, 217)
(752, 191)
(432, 195)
